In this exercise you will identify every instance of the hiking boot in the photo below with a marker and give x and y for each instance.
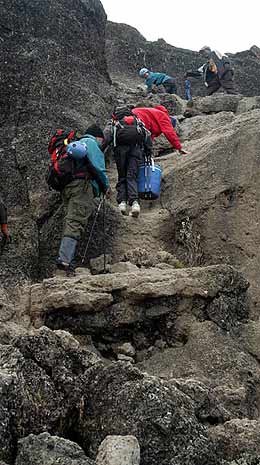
(123, 208)
(64, 269)
(135, 210)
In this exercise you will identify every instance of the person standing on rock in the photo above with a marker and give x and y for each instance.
(187, 85)
(217, 72)
(158, 121)
(131, 142)
(158, 79)
(78, 197)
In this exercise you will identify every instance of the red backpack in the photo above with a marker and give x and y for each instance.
(61, 170)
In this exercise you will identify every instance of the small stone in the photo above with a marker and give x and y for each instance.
(119, 450)
(97, 264)
(124, 267)
(82, 270)
(126, 349)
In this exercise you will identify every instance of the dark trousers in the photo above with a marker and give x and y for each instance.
(226, 82)
(128, 159)
(170, 86)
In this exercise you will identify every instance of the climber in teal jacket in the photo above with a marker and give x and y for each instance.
(157, 79)
(96, 157)
(77, 196)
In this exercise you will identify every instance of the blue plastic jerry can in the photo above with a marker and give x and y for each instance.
(149, 181)
(77, 150)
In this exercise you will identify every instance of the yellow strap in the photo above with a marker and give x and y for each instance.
(65, 141)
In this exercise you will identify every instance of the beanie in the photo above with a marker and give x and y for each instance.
(95, 131)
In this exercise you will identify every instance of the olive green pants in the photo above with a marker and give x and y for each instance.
(78, 202)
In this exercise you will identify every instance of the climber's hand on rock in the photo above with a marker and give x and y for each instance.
(183, 152)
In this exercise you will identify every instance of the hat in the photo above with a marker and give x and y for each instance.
(95, 131)
(143, 71)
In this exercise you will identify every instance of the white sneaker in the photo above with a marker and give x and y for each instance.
(135, 210)
(122, 208)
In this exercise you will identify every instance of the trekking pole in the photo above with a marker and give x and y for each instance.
(104, 233)
(92, 230)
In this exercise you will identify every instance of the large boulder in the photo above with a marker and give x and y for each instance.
(41, 388)
(92, 304)
(237, 441)
(49, 450)
(216, 214)
(213, 369)
(120, 400)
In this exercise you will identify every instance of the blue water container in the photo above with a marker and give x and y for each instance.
(149, 181)
(77, 150)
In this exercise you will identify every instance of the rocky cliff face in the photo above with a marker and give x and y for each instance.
(156, 361)
(53, 74)
(127, 51)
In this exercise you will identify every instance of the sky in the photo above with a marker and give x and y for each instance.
(225, 25)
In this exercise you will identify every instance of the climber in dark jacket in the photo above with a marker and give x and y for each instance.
(216, 72)
(3, 219)
(129, 152)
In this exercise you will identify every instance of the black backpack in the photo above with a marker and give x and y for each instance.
(124, 133)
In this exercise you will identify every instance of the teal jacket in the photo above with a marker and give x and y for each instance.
(97, 165)
(156, 79)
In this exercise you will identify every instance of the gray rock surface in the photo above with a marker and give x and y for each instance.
(112, 301)
(40, 384)
(213, 214)
(39, 92)
(49, 450)
(118, 450)
(189, 328)
(125, 402)
(238, 440)
(211, 356)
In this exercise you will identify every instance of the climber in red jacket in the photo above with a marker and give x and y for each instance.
(158, 121)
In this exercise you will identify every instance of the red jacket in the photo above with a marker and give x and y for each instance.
(157, 121)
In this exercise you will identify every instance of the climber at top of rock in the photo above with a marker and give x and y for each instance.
(217, 72)
(153, 80)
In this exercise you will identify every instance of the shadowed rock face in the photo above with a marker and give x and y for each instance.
(127, 51)
(53, 74)
(39, 387)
